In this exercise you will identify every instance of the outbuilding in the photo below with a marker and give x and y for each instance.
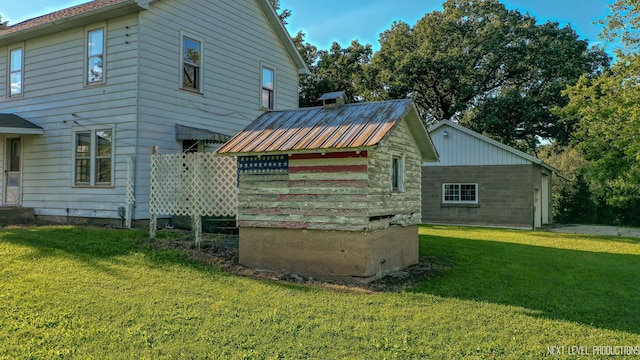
(334, 190)
(480, 181)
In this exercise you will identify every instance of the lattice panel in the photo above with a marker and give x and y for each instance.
(200, 184)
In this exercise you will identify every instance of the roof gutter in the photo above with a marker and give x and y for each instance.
(123, 8)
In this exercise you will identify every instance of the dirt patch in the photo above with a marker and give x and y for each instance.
(223, 254)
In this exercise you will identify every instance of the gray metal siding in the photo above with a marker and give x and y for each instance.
(460, 149)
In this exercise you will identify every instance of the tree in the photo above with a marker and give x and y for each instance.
(493, 69)
(284, 15)
(331, 70)
(3, 24)
(606, 110)
(608, 133)
(623, 25)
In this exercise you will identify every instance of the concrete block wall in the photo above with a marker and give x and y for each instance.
(505, 195)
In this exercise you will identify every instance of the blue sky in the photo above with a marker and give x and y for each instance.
(345, 20)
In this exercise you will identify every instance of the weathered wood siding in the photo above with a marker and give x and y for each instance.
(237, 41)
(56, 99)
(459, 149)
(382, 201)
(318, 192)
(336, 191)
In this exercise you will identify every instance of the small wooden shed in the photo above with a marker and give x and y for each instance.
(332, 191)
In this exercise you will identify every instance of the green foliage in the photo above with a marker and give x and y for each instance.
(331, 70)
(608, 133)
(494, 69)
(3, 24)
(284, 14)
(81, 293)
(622, 27)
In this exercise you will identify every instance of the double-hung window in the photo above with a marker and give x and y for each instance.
(16, 62)
(95, 56)
(459, 193)
(267, 97)
(93, 157)
(191, 74)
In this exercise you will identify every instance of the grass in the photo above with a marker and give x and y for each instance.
(68, 292)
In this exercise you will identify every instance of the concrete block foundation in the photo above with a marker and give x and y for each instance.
(367, 255)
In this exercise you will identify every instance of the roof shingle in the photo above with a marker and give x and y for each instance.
(60, 15)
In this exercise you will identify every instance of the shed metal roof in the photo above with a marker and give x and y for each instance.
(348, 127)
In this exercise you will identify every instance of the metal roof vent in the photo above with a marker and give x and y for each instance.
(333, 100)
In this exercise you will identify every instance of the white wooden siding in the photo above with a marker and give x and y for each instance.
(459, 149)
(141, 99)
(56, 99)
(236, 39)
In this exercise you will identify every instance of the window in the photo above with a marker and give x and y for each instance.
(95, 56)
(268, 88)
(16, 72)
(191, 63)
(397, 173)
(93, 157)
(460, 193)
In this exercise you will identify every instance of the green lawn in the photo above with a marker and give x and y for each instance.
(70, 292)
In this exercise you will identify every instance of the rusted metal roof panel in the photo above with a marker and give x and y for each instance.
(358, 125)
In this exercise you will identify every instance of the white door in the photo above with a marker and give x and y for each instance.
(12, 173)
(537, 213)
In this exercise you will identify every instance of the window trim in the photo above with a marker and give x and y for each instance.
(397, 174)
(93, 157)
(88, 30)
(10, 71)
(459, 193)
(199, 88)
(264, 67)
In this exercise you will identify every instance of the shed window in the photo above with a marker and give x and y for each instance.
(268, 88)
(16, 71)
(93, 157)
(397, 173)
(95, 56)
(191, 63)
(460, 193)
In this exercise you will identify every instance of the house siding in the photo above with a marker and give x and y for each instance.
(237, 39)
(505, 194)
(140, 99)
(56, 99)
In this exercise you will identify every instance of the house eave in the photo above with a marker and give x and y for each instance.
(284, 36)
(303, 151)
(21, 131)
(123, 8)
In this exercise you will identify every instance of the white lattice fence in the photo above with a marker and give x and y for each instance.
(193, 184)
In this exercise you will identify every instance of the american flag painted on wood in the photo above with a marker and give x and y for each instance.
(321, 191)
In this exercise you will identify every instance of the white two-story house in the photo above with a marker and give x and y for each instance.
(86, 92)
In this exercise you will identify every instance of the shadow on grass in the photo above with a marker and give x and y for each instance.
(93, 246)
(591, 288)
